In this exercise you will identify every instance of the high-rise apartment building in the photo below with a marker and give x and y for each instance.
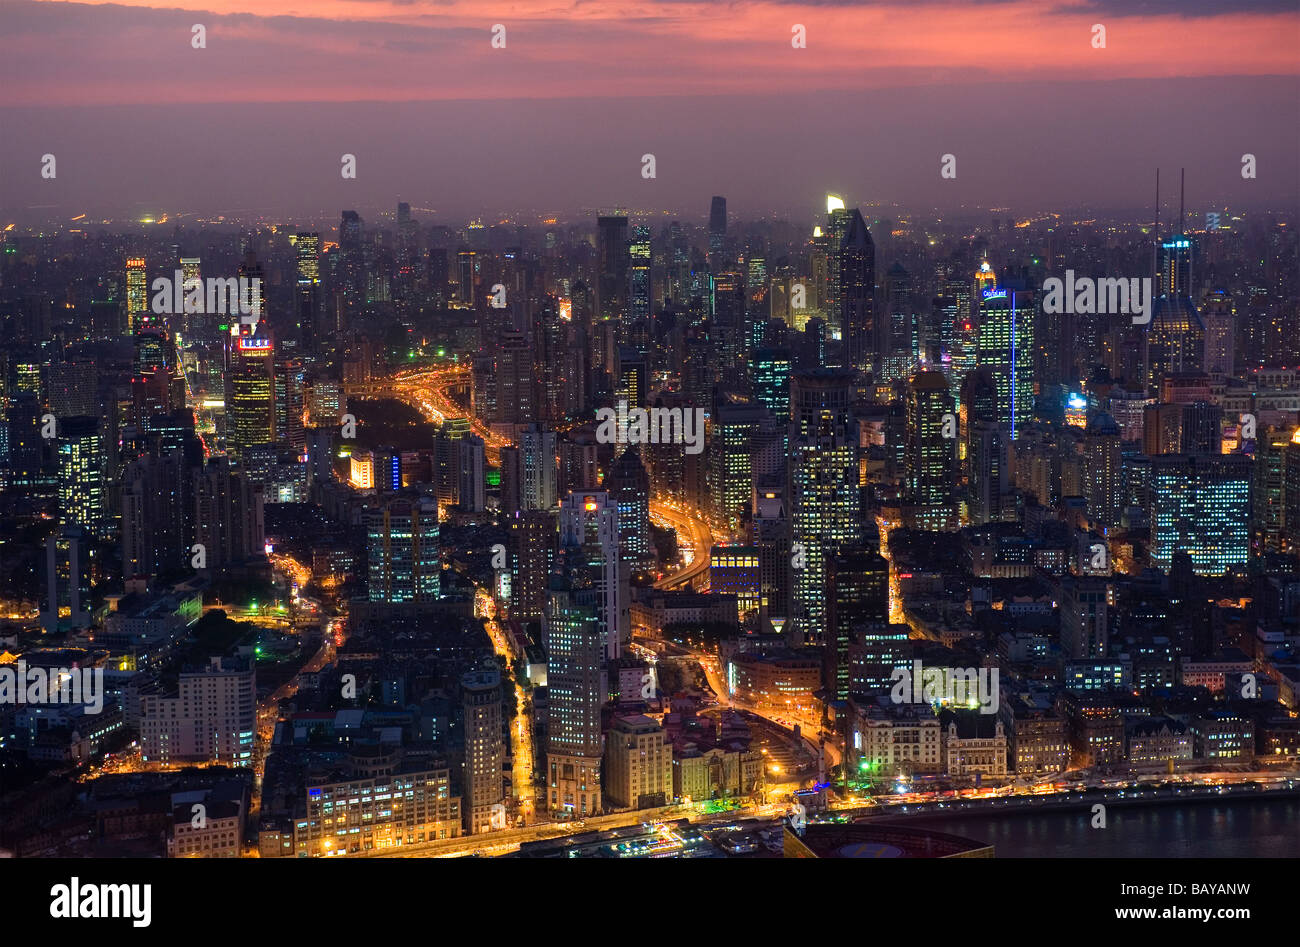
(483, 799)
(402, 550)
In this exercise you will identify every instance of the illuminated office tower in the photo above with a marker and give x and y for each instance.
(534, 535)
(901, 331)
(484, 789)
(963, 354)
(929, 458)
(466, 275)
(1006, 347)
(1175, 337)
(817, 287)
(770, 535)
(612, 261)
(67, 581)
(1200, 504)
(633, 380)
(1268, 494)
(1102, 470)
(730, 463)
(471, 489)
(516, 381)
(857, 599)
(717, 229)
(137, 295)
(1220, 319)
(629, 486)
(191, 275)
(537, 478)
(402, 550)
(448, 460)
(307, 249)
(349, 277)
(589, 522)
(229, 514)
(250, 394)
(988, 463)
(326, 402)
(81, 476)
(771, 373)
(837, 228)
(290, 380)
(727, 331)
(576, 651)
(857, 293)
(1291, 495)
(679, 265)
(825, 505)
(738, 571)
(639, 284)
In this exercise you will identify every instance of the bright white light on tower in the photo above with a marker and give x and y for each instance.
(834, 203)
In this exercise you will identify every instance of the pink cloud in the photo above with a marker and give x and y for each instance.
(354, 50)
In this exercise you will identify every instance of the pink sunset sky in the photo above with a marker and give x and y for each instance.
(57, 53)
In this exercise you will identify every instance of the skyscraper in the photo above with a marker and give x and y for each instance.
(771, 375)
(857, 596)
(857, 286)
(229, 519)
(307, 249)
(837, 228)
(929, 457)
(250, 398)
(137, 295)
(613, 261)
(1175, 339)
(484, 789)
(589, 521)
(82, 500)
(639, 282)
(825, 505)
(402, 550)
(900, 335)
(1006, 348)
(629, 486)
(717, 229)
(1200, 504)
(534, 535)
(1103, 475)
(538, 470)
(576, 648)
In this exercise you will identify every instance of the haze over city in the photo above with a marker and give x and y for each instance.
(557, 121)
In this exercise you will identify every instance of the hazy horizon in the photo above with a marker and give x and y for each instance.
(257, 122)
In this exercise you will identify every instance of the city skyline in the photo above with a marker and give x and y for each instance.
(650, 429)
